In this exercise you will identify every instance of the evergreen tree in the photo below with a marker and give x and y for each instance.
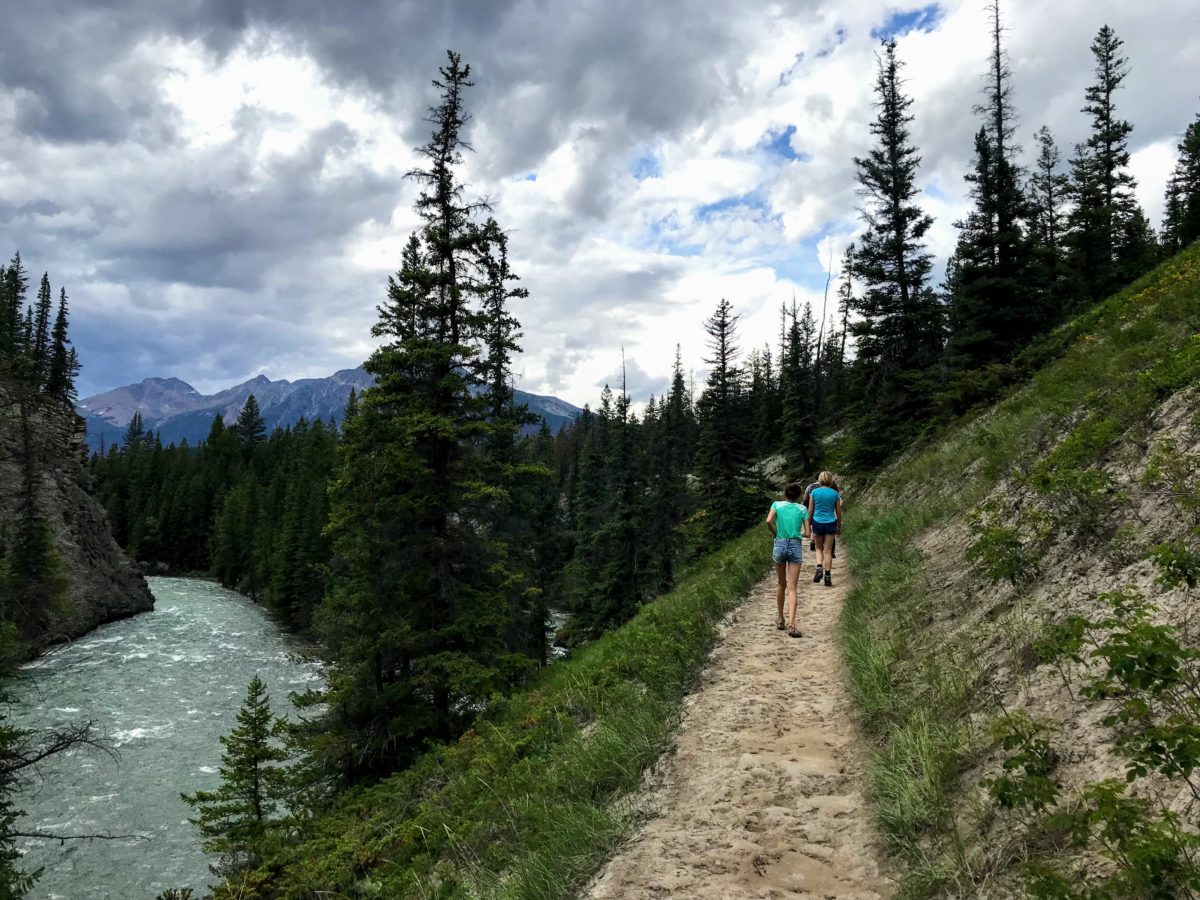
(40, 350)
(60, 380)
(993, 310)
(236, 817)
(135, 433)
(797, 427)
(899, 333)
(1048, 192)
(250, 427)
(763, 390)
(13, 284)
(1181, 220)
(728, 487)
(411, 621)
(835, 398)
(1107, 238)
(620, 565)
(670, 446)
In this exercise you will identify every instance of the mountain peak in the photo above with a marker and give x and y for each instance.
(175, 410)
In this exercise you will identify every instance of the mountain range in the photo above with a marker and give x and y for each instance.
(177, 411)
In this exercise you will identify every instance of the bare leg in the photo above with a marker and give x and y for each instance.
(793, 575)
(781, 575)
(828, 552)
(821, 540)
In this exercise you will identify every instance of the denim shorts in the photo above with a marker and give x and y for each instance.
(788, 550)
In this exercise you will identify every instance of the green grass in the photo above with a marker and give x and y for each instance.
(536, 798)
(913, 674)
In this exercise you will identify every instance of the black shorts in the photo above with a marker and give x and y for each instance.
(824, 528)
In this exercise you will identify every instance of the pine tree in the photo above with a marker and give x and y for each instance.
(993, 310)
(1049, 190)
(60, 380)
(899, 333)
(13, 284)
(502, 333)
(836, 364)
(797, 426)
(250, 427)
(1181, 220)
(670, 445)
(619, 566)
(135, 433)
(40, 350)
(411, 621)
(763, 390)
(239, 814)
(728, 487)
(351, 406)
(1106, 239)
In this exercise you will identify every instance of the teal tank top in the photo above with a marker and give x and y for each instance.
(789, 517)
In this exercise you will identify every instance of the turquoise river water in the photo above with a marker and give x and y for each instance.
(161, 687)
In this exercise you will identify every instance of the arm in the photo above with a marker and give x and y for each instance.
(839, 515)
(806, 527)
(771, 521)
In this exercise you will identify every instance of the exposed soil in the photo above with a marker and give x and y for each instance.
(763, 797)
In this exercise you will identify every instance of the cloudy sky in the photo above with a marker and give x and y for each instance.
(219, 183)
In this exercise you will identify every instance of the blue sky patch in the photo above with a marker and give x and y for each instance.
(779, 143)
(900, 23)
(647, 165)
(753, 200)
(532, 176)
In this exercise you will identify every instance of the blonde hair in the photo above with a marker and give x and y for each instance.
(825, 478)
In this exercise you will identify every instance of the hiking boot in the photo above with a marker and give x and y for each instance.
(828, 579)
(817, 575)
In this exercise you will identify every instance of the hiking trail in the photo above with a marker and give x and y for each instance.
(763, 796)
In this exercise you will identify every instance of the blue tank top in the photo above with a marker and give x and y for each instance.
(824, 500)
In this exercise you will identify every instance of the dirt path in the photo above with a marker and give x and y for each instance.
(764, 796)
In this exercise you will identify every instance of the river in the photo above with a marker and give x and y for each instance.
(162, 687)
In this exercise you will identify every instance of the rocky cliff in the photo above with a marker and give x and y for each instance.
(99, 584)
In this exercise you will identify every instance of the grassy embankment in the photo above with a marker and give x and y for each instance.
(535, 798)
(921, 688)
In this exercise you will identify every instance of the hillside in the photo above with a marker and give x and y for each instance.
(91, 581)
(1021, 632)
(178, 411)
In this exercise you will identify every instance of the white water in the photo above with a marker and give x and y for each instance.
(161, 687)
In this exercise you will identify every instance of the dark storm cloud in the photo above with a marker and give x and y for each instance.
(211, 236)
(72, 72)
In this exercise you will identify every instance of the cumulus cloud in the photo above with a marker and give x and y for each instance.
(220, 184)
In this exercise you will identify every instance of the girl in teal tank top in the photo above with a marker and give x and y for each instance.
(788, 523)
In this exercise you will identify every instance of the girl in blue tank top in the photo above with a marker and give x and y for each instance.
(825, 511)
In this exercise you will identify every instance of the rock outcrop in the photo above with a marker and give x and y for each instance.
(102, 583)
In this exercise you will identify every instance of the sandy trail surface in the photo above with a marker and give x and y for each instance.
(763, 797)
